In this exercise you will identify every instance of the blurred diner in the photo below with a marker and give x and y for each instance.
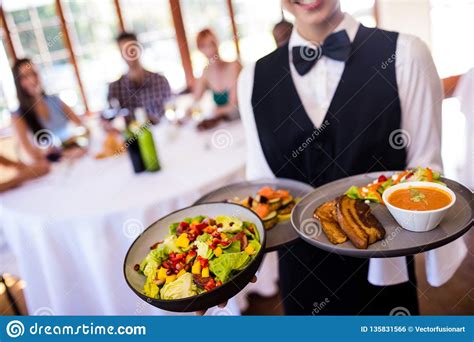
(220, 77)
(22, 171)
(282, 32)
(138, 87)
(42, 122)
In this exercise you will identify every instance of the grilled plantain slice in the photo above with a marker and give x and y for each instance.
(349, 224)
(326, 214)
(369, 222)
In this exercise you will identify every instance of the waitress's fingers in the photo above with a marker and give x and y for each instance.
(222, 305)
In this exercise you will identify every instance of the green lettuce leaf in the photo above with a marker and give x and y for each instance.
(169, 245)
(172, 228)
(223, 266)
(234, 247)
(255, 245)
(203, 237)
(154, 258)
(353, 192)
(203, 250)
(182, 287)
(152, 290)
(229, 224)
(198, 219)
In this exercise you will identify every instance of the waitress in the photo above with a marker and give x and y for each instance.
(341, 99)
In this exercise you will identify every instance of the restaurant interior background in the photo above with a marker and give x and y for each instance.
(72, 43)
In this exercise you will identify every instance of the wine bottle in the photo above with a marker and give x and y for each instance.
(146, 142)
(131, 141)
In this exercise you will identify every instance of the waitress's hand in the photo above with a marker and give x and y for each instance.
(222, 305)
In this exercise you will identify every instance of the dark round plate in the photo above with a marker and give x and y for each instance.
(283, 232)
(397, 241)
(157, 231)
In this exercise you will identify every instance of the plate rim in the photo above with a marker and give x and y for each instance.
(262, 180)
(366, 253)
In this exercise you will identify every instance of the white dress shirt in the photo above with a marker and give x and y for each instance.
(420, 92)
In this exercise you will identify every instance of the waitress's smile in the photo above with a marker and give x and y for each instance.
(308, 5)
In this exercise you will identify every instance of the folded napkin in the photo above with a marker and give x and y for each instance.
(440, 263)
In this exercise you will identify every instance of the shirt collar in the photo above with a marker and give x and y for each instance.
(348, 23)
(146, 77)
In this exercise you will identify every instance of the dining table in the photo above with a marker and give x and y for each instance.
(70, 230)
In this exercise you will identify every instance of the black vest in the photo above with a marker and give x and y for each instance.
(355, 135)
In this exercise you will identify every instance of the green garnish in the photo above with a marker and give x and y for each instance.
(416, 196)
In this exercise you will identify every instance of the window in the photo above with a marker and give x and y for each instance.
(36, 34)
(254, 29)
(151, 20)
(92, 27)
(7, 96)
(451, 30)
(214, 14)
(361, 10)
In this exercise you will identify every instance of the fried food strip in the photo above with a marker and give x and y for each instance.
(369, 222)
(326, 214)
(349, 223)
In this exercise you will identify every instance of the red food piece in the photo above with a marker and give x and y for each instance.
(382, 178)
(210, 285)
(184, 224)
(200, 226)
(203, 261)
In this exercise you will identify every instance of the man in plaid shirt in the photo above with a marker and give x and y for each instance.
(138, 87)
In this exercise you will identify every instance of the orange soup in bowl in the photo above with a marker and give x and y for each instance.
(420, 198)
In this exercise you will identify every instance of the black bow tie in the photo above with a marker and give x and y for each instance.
(336, 46)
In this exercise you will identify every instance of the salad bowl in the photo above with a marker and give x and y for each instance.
(160, 230)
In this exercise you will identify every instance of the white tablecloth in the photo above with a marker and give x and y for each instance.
(70, 230)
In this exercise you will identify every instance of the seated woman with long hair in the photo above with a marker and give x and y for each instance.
(218, 76)
(39, 114)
